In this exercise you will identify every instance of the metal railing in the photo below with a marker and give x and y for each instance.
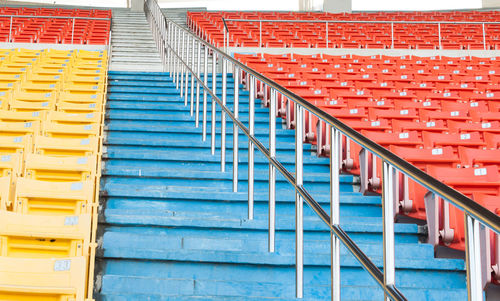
(328, 22)
(12, 17)
(184, 67)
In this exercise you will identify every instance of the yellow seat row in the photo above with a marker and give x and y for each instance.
(51, 105)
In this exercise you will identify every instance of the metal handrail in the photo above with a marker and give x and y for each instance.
(168, 31)
(50, 17)
(357, 21)
(327, 22)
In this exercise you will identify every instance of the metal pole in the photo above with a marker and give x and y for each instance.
(198, 71)
(182, 46)
(186, 90)
(223, 117)
(326, 25)
(73, 31)
(473, 258)
(251, 129)
(272, 170)
(299, 205)
(260, 36)
(335, 211)
(388, 229)
(214, 90)
(191, 104)
(236, 78)
(439, 33)
(392, 35)
(205, 81)
(224, 32)
(10, 30)
(484, 38)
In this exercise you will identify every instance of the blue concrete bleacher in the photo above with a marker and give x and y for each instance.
(174, 230)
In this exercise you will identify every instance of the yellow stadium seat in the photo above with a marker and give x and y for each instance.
(40, 86)
(86, 79)
(9, 78)
(53, 198)
(19, 128)
(32, 53)
(45, 279)
(87, 71)
(73, 118)
(31, 101)
(71, 107)
(83, 87)
(10, 165)
(12, 116)
(50, 146)
(44, 236)
(19, 144)
(70, 130)
(5, 193)
(45, 78)
(95, 97)
(47, 168)
(50, 69)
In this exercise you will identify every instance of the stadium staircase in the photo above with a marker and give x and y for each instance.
(173, 229)
(132, 44)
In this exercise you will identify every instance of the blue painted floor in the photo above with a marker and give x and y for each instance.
(172, 229)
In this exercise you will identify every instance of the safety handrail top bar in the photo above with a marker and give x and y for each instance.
(359, 21)
(485, 216)
(52, 17)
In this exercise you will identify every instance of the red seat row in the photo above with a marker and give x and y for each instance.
(55, 31)
(209, 26)
(441, 114)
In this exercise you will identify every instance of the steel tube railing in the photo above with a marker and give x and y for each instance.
(11, 17)
(363, 22)
(478, 215)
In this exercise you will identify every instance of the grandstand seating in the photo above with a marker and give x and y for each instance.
(50, 143)
(209, 26)
(51, 30)
(439, 113)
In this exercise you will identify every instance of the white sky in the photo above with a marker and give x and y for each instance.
(284, 4)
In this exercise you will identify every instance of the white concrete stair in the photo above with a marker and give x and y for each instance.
(132, 45)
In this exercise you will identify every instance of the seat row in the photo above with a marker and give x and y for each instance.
(210, 25)
(49, 172)
(453, 137)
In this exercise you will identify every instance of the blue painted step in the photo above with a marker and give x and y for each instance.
(173, 229)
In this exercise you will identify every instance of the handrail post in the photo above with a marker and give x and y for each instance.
(392, 35)
(439, 33)
(73, 31)
(205, 81)
(10, 30)
(335, 154)
(326, 33)
(473, 258)
(224, 41)
(272, 170)
(198, 71)
(388, 227)
(251, 129)
(223, 116)
(484, 37)
(182, 49)
(299, 205)
(260, 37)
(236, 108)
(213, 120)
(193, 64)
(186, 90)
